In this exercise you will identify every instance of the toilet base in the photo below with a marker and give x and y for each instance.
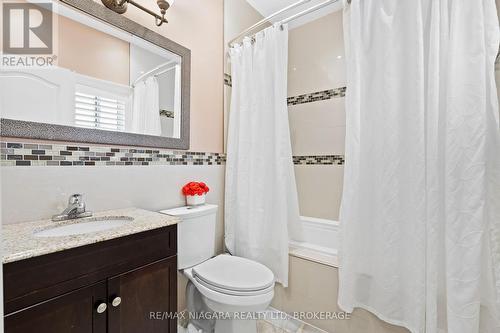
(236, 325)
(234, 311)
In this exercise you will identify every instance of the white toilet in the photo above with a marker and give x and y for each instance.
(224, 284)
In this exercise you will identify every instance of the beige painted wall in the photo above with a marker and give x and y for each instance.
(91, 52)
(197, 25)
(316, 63)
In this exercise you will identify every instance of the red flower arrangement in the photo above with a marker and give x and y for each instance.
(195, 188)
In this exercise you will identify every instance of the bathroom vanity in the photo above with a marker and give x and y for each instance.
(122, 279)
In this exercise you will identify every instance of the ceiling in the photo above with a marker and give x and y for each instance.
(268, 7)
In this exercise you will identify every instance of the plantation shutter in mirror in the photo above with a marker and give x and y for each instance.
(94, 111)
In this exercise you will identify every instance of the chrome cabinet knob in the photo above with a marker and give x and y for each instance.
(101, 308)
(116, 301)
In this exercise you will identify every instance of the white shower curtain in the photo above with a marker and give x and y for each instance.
(146, 107)
(420, 212)
(260, 197)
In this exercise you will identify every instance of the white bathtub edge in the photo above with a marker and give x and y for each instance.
(329, 224)
(314, 256)
(311, 248)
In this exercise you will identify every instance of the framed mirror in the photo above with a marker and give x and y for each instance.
(113, 81)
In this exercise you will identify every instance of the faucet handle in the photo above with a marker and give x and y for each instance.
(76, 209)
(75, 199)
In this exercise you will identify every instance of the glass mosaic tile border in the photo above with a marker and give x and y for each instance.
(33, 154)
(37, 154)
(319, 160)
(317, 96)
(228, 81)
(305, 98)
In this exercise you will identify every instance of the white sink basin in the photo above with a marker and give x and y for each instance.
(86, 226)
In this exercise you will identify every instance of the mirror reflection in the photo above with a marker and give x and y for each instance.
(102, 78)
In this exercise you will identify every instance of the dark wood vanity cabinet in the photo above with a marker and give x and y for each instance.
(72, 312)
(148, 290)
(115, 286)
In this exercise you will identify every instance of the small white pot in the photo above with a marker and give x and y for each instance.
(195, 200)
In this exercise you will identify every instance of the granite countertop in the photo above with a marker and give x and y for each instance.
(19, 241)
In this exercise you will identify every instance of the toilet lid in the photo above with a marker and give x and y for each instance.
(232, 273)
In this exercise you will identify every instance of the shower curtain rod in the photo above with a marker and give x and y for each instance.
(291, 18)
(165, 70)
(151, 71)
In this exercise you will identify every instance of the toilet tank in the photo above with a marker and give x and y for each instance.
(195, 234)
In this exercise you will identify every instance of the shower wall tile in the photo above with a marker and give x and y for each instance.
(319, 190)
(316, 64)
(318, 128)
(317, 87)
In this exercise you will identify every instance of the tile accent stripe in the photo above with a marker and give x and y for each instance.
(32, 154)
(305, 98)
(168, 114)
(228, 81)
(319, 160)
(317, 96)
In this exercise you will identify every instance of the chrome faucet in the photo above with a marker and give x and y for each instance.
(75, 209)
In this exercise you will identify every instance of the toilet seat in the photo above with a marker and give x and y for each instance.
(234, 292)
(234, 276)
(247, 293)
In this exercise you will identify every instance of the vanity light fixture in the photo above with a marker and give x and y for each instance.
(120, 7)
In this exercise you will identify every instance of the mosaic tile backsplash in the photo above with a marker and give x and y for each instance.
(29, 154)
(317, 96)
(319, 160)
(33, 154)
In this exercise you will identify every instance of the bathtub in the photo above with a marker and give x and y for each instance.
(319, 241)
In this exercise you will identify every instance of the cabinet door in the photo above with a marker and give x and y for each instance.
(143, 293)
(74, 312)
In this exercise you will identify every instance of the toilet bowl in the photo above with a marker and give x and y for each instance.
(233, 289)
